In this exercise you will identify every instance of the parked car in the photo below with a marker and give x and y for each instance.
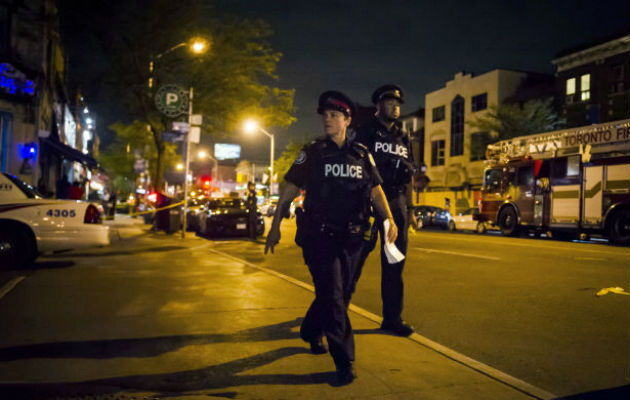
(269, 207)
(227, 217)
(465, 221)
(31, 225)
(195, 207)
(425, 216)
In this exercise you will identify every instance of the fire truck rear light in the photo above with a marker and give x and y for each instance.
(92, 215)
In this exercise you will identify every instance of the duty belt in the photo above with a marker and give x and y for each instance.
(332, 229)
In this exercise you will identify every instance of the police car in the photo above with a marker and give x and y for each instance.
(31, 225)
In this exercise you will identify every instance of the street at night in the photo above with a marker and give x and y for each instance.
(189, 192)
(155, 314)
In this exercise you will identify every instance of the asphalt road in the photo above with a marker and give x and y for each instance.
(525, 306)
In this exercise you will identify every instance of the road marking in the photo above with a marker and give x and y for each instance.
(538, 243)
(455, 253)
(480, 367)
(10, 285)
(589, 258)
(616, 290)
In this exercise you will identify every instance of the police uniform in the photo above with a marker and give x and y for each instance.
(392, 153)
(338, 182)
(252, 208)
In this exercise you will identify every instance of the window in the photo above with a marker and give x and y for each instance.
(437, 153)
(573, 166)
(457, 126)
(570, 86)
(478, 143)
(5, 32)
(492, 179)
(480, 102)
(617, 86)
(585, 87)
(565, 167)
(525, 176)
(439, 113)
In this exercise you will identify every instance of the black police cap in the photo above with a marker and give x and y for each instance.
(389, 91)
(334, 100)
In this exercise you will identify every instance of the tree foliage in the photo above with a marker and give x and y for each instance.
(132, 142)
(510, 120)
(233, 79)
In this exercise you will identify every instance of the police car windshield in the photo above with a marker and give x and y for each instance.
(28, 190)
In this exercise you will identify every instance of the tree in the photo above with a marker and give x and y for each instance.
(132, 142)
(234, 78)
(506, 121)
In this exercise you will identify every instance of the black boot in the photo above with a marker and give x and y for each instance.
(346, 374)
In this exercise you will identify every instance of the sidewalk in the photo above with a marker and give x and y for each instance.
(124, 227)
(239, 340)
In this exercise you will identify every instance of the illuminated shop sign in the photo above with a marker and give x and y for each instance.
(13, 81)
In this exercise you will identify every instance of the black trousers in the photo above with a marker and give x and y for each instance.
(332, 262)
(392, 286)
(251, 224)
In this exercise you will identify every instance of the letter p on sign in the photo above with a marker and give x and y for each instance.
(171, 98)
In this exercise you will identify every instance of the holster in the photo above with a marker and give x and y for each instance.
(302, 228)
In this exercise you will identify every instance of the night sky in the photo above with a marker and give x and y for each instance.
(355, 46)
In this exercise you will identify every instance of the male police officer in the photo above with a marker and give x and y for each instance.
(340, 178)
(251, 204)
(390, 146)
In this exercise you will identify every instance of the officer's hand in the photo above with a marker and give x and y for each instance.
(392, 233)
(273, 237)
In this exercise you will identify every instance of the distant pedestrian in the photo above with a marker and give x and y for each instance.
(339, 178)
(251, 203)
(390, 145)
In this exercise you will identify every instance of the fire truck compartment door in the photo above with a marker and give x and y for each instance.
(617, 178)
(565, 204)
(593, 195)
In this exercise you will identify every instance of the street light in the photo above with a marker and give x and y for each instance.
(251, 126)
(197, 45)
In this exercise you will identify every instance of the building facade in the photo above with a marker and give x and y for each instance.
(45, 139)
(455, 151)
(593, 82)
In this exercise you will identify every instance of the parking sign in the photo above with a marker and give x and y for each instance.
(171, 100)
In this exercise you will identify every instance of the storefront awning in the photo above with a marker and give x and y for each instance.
(70, 153)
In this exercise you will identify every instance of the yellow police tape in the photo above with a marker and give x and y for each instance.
(163, 208)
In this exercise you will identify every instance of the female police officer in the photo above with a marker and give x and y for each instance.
(340, 179)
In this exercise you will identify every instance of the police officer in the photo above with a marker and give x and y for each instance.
(391, 149)
(340, 179)
(251, 204)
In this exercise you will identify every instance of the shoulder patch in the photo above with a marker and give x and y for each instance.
(360, 146)
(371, 160)
(301, 157)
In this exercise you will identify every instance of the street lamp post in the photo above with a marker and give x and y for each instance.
(187, 162)
(197, 46)
(251, 126)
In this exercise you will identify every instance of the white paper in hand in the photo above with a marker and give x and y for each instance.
(391, 251)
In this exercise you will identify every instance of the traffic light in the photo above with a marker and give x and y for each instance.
(206, 181)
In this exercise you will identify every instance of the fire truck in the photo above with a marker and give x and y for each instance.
(567, 183)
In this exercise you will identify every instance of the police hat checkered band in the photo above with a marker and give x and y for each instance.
(338, 104)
